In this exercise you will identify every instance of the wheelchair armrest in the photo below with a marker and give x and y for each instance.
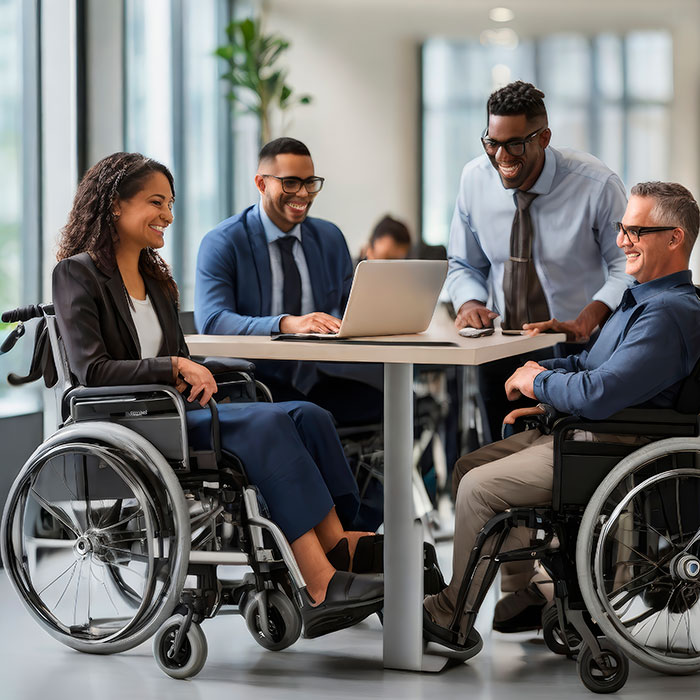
(134, 392)
(663, 422)
(221, 365)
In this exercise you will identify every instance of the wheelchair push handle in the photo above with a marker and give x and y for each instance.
(22, 313)
(19, 316)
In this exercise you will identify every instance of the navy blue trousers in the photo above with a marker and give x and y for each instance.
(291, 452)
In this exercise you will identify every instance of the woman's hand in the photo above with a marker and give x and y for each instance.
(197, 376)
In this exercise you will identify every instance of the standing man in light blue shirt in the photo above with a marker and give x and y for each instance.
(533, 241)
(570, 258)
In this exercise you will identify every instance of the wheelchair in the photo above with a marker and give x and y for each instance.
(114, 528)
(621, 543)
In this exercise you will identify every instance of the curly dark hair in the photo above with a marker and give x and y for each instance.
(517, 98)
(90, 227)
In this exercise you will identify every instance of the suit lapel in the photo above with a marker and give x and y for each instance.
(261, 257)
(115, 287)
(314, 261)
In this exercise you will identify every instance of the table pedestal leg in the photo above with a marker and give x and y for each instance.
(403, 533)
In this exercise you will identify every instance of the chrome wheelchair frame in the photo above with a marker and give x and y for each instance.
(621, 543)
(114, 527)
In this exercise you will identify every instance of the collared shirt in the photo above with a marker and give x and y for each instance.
(647, 347)
(574, 249)
(272, 233)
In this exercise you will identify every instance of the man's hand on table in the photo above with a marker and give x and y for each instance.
(316, 322)
(577, 331)
(474, 314)
(520, 383)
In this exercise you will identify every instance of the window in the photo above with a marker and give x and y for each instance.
(609, 95)
(19, 207)
(176, 113)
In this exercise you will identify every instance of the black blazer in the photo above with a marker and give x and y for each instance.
(99, 335)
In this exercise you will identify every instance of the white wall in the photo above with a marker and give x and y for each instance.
(359, 59)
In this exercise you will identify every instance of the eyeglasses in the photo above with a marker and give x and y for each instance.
(291, 185)
(516, 147)
(634, 233)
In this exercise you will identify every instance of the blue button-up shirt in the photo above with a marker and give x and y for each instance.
(574, 249)
(272, 233)
(644, 351)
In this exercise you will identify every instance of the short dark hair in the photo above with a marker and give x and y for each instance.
(674, 206)
(282, 145)
(391, 227)
(517, 98)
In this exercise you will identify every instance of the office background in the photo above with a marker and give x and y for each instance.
(398, 86)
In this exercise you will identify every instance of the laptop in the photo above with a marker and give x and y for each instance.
(387, 297)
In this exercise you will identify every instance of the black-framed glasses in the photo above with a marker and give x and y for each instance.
(516, 147)
(291, 185)
(634, 233)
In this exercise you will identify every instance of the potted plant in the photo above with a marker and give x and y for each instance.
(257, 83)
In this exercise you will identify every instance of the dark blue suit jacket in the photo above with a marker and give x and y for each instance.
(233, 288)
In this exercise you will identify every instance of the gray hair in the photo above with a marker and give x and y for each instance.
(674, 206)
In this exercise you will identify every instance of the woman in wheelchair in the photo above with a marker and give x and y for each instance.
(116, 307)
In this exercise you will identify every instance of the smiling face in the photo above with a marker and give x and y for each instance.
(285, 210)
(518, 172)
(655, 254)
(143, 218)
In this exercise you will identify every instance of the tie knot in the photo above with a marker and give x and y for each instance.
(524, 199)
(286, 243)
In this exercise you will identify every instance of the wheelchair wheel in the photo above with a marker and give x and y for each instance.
(557, 641)
(95, 537)
(190, 658)
(638, 556)
(605, 675)
(283, 625)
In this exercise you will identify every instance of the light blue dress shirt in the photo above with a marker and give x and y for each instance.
(574, 249)
(644, 351)
(272, 233)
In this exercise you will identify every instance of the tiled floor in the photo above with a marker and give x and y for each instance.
(347, 664)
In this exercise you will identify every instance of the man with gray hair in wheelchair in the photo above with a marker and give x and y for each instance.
(647, 347)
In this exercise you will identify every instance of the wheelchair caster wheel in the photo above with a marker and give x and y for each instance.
(189, 660)
(277, 624)
(607, 675)
(565, 644)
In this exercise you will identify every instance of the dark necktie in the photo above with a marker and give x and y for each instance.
(524, 297)
(291, 288)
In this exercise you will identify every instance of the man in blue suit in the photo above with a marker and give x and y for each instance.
(273, 269)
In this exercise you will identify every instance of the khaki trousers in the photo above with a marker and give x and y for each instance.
(516, 472)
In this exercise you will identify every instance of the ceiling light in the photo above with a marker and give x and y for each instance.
(504, 37)
(501, 14)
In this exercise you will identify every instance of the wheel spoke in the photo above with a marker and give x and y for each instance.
(57, 513)
(124, 520)
(70, 566)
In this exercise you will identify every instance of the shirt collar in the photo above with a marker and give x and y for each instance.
(272, 232)
(543, 184)
(638, 293)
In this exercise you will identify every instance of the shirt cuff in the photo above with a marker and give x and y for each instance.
(538, 386)
(611, 293)
(276, 324)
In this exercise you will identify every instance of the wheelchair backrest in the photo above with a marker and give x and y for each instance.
(156, 412)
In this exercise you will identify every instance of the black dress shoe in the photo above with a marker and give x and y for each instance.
(432, 632)
(350, 598)
(520, 611)
(369, 558)
(339, 556)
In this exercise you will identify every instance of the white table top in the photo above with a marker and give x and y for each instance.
(468, 351)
